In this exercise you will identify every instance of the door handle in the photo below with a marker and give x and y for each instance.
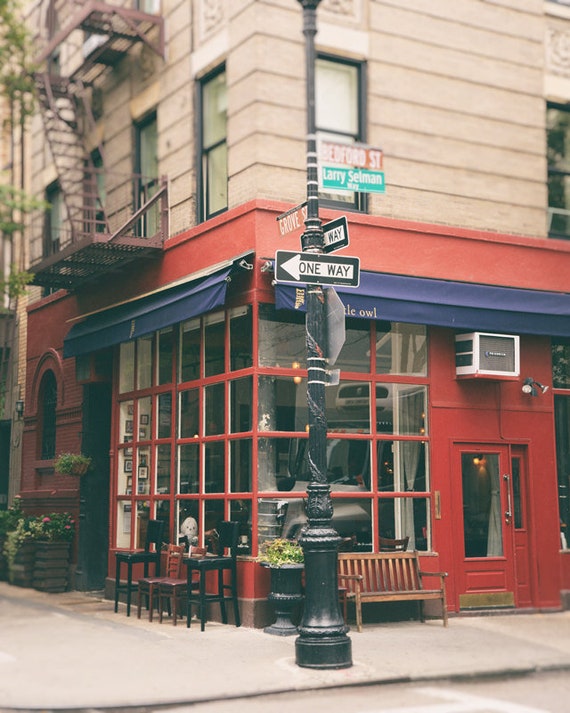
(509, 510)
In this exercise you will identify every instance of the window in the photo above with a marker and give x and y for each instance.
(53, 221)
(147, 167)
(339, 115)
(213, 169)
(558, 156)
(95, 220)
(561, 380)
(211, 422)
(47, 406)
(377, 449)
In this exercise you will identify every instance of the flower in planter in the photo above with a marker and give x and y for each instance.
(279, 552)
(55, 527)
(72, 463)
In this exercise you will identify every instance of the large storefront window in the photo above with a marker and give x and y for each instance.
(211, 426)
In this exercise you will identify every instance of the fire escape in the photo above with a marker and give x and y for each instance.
(106, 220)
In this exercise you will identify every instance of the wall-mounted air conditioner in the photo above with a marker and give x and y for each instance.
(487, 356)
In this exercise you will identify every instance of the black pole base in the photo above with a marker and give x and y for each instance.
(316, 652)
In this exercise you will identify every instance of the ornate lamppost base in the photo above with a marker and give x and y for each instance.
(329, 653)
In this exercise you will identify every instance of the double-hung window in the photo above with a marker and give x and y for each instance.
(213, 166)
(147, 168)
(558, 155)
(339, 115)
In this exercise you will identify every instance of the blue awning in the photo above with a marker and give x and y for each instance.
(459, 305)
(147, 314)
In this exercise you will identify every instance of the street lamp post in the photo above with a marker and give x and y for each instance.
(322, 642)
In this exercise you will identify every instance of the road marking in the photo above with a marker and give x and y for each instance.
(459, 703)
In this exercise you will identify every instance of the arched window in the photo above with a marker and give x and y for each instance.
(47, 406)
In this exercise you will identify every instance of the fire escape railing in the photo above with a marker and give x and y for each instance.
(129, 214)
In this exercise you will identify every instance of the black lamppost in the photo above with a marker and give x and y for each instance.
(322, 641)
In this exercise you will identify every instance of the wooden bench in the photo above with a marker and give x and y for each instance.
(386, 577)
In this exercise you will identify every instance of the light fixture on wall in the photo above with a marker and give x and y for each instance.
(19, 408)
(532, 387)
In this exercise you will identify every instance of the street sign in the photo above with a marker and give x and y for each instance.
(293, 219)
(336, 325)
(335, 234)
(351, 179)
(308, 268)
(353, 155)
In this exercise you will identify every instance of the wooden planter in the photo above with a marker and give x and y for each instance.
(21, 573)
(51, 566)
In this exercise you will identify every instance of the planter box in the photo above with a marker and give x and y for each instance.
(21, 574)
(51, 567)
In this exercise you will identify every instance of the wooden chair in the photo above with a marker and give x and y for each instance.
(172, 590)
(387, 544)
(149, 586)
(147, 556)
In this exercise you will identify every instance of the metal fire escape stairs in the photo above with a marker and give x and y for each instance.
(94, 238)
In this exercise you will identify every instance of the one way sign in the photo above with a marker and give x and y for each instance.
(309, 268)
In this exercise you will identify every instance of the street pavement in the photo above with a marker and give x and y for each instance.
(71, 651)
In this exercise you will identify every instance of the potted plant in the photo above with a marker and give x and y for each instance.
(53, 535)
(72, 464)
(285, 560)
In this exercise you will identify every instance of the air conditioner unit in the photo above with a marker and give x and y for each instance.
(487, 356)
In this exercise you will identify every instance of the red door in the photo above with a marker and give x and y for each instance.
(491, 526)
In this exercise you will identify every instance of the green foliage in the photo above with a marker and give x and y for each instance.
(16, 538)
(16, 66)
(72, 463)
(278, 552)
(9, 518)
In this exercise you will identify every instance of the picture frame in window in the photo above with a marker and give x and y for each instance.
(128, 465)
(128, 452)
(142, 433)
(143, 459)
(145, 419)
(143, 472)
(130, 409)
(128, 426)
(127, 510)
(129, 488)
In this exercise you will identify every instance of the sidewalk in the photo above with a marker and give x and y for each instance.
(71, 650)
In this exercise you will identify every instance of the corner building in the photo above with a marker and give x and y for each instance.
(169, 142)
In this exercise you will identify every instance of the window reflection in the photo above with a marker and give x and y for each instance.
(401, 348)
(286, 517)
(281, 338)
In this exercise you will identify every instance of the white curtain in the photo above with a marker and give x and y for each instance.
(411, 408)
(494, 533)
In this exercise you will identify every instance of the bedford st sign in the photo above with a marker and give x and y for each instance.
(352, 155)
(308, 268)
(351, 167)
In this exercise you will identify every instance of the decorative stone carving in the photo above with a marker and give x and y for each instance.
(212, 16)
(347, 8)
(558, 51)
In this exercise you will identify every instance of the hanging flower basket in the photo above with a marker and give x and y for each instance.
(72, 464)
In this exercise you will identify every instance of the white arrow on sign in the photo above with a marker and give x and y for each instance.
(320, 269)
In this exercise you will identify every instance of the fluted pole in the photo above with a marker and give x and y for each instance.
(322, 641)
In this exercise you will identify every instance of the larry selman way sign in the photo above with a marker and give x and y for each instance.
(308, 268)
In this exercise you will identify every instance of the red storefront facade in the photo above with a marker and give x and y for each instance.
(188, 388)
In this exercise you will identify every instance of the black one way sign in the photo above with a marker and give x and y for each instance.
(316, 269)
